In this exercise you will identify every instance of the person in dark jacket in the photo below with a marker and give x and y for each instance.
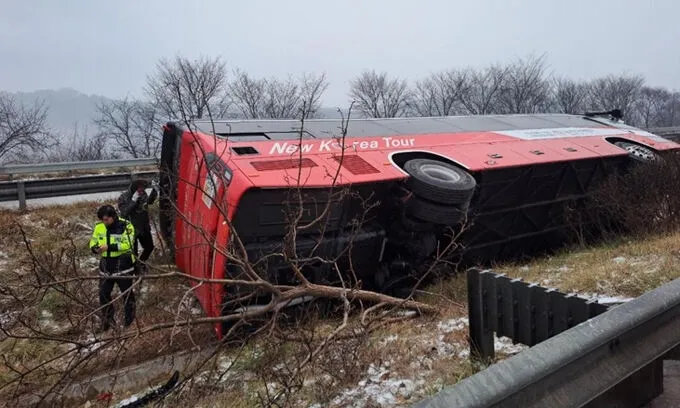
(112, 239)
(133, 205)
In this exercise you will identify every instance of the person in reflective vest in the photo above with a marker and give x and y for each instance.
(112, 239)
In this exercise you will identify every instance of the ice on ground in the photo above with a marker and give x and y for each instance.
(406, 313)
(606, 300)
(504, 345)
(450, 325)
(389, 339)
(386, 393)
(7, 318)
(47, 320)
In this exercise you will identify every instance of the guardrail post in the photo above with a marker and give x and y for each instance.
(673, 354)
(21, 192)
(481, 339)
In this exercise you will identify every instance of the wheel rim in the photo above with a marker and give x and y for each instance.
(441, 173)
(638, 151)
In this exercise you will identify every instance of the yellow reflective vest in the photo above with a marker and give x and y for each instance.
(119, 237)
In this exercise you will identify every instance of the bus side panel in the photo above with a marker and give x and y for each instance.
(198, 248)
(207, 210)
(218, 269)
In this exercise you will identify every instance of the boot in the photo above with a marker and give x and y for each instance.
(105, 326)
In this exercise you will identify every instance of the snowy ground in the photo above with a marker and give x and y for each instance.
(385, 388)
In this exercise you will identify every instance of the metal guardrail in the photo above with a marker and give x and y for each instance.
(620, 349)
(524, 312)
(23, 190)
(72, 166)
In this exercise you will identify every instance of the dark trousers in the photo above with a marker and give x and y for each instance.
(145, 238)
(105, 288)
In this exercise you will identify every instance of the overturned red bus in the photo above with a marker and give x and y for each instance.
(506, 176)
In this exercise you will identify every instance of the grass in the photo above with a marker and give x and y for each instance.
(623, 268)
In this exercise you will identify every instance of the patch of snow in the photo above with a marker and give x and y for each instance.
(619, 260)
(406, 313)
(47, 319)
(504, 345)
(453, 324)
(386, 393)
(7, 318)
(92, 347)
(444, 349)
(604, 299)
(389, 339)
(608, 300)
(562, 268)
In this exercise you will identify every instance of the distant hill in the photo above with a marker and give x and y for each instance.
(68, 107)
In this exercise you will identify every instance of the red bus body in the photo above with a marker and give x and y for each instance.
(524, 166)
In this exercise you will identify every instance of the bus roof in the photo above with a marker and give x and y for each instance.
(263, 130)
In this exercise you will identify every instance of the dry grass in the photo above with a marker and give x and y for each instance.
(59, 237)
(624, 268)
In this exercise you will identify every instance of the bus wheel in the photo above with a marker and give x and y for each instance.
(439, 182)
(436, 213)
(638, 152)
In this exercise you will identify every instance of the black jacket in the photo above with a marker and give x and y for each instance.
(137, 212)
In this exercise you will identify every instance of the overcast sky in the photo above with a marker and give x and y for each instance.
(108, 47)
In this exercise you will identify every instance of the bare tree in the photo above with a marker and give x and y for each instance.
(440, 93)
(194, 87)
(650, 109)
(80, 146)
(312, 89)
(525, 88)
(260, 98)
(132, 125)
(23, 129)
(570, 96)
(485, 89)
(616, 92)
(378, 96)
(670, 113)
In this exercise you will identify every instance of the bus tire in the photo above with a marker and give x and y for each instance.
(436, 213)
(439, 182)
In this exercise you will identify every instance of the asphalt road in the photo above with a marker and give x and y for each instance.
(42, 202)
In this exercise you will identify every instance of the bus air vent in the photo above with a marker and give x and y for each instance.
(244, 150)
(266, 165)
(355, 164)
